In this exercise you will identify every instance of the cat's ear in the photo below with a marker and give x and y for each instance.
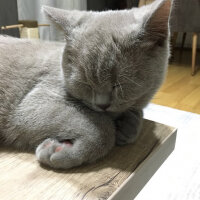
(66, 19)
(157, 24)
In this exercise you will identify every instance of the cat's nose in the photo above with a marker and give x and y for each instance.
(103, 106)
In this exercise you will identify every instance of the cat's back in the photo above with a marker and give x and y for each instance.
(25, 51)
(23, 59)
(24, 63)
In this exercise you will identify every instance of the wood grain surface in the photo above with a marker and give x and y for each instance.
(21, 176)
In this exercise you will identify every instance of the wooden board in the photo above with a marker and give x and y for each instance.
(120, 175)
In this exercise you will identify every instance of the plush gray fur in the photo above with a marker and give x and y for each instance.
(72, 103)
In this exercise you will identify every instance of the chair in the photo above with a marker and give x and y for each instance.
(27, 28)
(185, 18)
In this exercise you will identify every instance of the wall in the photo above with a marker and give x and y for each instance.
(96, 5)
(31, 10)
(8, 16)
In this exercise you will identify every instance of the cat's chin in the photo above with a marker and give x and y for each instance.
(95, 108)
(109, 110)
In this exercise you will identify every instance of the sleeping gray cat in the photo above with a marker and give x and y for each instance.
(72, 103)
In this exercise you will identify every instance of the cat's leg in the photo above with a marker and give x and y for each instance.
(88, 137)
(65, 136)
(128, 126)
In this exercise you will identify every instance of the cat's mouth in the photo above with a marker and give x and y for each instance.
(94, 107)
(97, 109)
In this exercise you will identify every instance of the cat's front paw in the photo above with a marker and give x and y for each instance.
(126, 135)
(128, 127)
(54, 153)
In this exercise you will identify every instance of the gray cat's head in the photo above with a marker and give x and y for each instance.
(114, 60)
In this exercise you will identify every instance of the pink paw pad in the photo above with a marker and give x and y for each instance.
(66, 142)
(48, 144)
(58, 149)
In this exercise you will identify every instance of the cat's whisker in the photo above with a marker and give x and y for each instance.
(120, 86)
(82, 82)
(128, 101)
(98, 74)
(132, 81)
(87, 72)
(54, 93)
(124, 68)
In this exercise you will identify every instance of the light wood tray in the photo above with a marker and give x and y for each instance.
(119, 176)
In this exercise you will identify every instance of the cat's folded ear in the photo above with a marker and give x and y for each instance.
(66, 19)
(157, 24)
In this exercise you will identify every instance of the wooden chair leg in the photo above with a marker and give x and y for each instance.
(173, 43)
(182, 44)
(183, 40)
(194, 52)
(173, 40)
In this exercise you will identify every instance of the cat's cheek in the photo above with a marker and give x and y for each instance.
(85, 95)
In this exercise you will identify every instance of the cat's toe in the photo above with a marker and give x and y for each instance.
(47, 146)
(45, 150)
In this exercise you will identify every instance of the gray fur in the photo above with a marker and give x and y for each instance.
(89, 92)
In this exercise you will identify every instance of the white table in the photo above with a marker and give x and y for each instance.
(179, 177)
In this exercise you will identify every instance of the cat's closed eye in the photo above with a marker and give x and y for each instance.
(116, 86)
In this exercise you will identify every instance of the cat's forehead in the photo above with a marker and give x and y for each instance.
(109, 27)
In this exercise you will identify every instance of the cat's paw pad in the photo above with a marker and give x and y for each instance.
(50, 150)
